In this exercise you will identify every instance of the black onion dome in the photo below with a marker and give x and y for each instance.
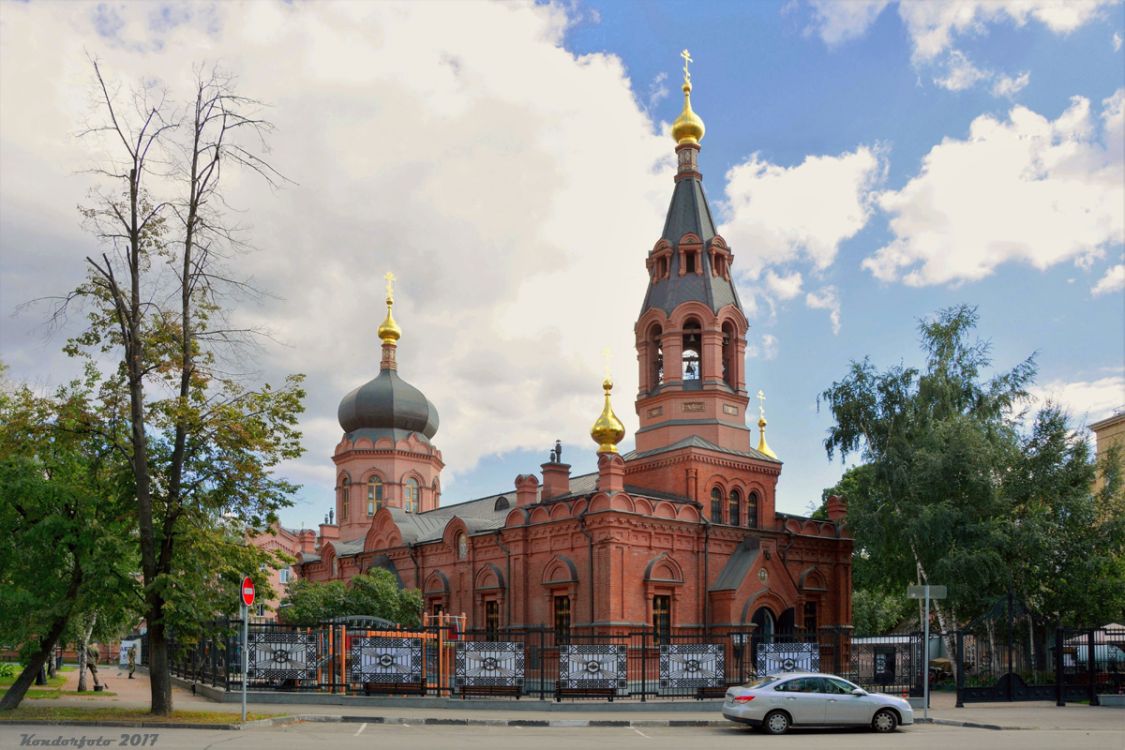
(388, 403)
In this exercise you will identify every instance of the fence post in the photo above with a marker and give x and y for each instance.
(226, 658)
(1060, 690)
(837, 654)
(1090, 668)
(960, 667)
(542, 662)
(644, 663)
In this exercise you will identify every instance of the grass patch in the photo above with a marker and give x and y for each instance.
(83, 713)
(42, 693)
(56, 681)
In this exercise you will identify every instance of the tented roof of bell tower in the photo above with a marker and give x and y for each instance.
(689, 213)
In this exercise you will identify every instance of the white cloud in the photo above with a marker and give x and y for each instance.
(783, 287)
(1086, 400)
(657, 91)
(1113, 281)
(960, 73)
(1116, 41)
(826, 298)
(1026, 190)
(417, 146)
(933, 26)
(800, 213)
(1008, 87)
(836, 22)
(766, 350)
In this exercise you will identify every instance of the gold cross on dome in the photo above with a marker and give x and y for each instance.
(761, 403)
(687, 59)
(390, 277)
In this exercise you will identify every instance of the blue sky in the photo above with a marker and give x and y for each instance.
(869, 162)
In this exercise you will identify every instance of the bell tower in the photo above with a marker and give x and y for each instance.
(691, 333)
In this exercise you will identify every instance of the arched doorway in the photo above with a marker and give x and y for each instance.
(765, 629)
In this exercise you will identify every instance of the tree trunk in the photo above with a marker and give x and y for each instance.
(18, 690)
(946, 636)
(160, 677)
(51, 669)
(83, 644)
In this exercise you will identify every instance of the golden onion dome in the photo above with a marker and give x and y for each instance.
(389, 332)
(608, 431)
(688, 127)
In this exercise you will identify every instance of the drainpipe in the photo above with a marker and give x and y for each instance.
(590, 561)
(417, 573)
(706, 577)
(507, 580)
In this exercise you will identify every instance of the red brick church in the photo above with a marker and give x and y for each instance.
(680, 533)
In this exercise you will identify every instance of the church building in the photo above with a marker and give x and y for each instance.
(680, 533)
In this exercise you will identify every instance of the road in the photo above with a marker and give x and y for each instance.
(350, 736)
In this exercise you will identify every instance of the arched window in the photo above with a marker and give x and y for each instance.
(410, 496)
(656, 356)
(734, 508)
(752, 510)
(693, 340)
(730, 374)
(345, 498)
(716, 505)
(374, 495)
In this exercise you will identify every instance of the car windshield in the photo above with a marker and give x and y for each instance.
(761, 682)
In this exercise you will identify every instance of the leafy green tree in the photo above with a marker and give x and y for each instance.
(875, 612)
(937, 442)
(1065, 543)
(375, 593)
(956, 490)
(67, 545)
(200, 444)
(307, 602)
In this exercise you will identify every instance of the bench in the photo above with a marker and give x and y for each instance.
(583, 692)
(715, 691)
(400, 688)
(505, 690)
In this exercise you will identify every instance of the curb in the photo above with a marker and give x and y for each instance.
(966, 724)
(442, 721)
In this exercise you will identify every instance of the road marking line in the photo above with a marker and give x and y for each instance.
(359, 731)
(640, 733)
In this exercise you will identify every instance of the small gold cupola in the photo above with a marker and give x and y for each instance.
(608, 431)
(688, 128)
(763, 446)
(389, 332)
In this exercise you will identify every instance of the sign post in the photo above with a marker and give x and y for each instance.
(927, 593)
(246, 596)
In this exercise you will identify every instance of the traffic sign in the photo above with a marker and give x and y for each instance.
(247, 592)
(923, 592)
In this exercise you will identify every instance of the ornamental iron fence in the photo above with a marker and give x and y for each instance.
(360, 657)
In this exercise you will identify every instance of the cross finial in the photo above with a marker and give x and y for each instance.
(605, 361)
(687, 73)
(761, 403)
(390, 277)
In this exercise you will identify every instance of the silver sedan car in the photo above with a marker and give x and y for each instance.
(779, 701)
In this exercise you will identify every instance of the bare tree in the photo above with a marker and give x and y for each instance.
(199, 444)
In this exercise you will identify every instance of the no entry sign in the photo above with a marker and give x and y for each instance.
(247, 591)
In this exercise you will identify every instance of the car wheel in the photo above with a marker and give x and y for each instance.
(776, 722)
(885, 720)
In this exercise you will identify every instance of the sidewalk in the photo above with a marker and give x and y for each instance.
(531, 711)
